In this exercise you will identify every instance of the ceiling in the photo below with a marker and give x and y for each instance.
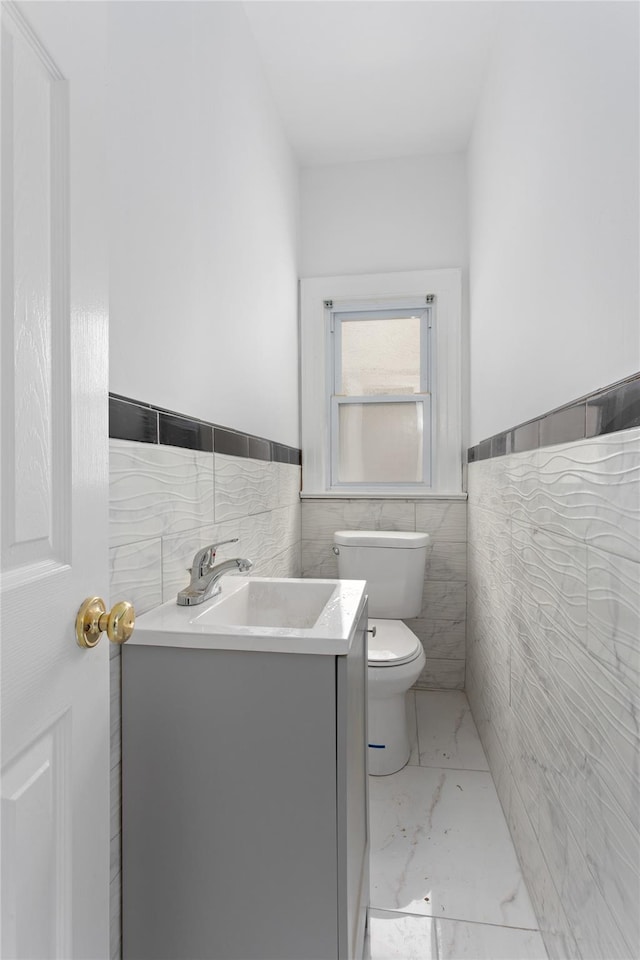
(372, 79)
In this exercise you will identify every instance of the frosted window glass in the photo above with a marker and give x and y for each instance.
(380, 356)
(380, 442)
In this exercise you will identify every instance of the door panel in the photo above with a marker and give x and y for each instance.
(53, 439)
(35, 170)
(36, 848)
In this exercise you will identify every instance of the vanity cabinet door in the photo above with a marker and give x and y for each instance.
(352, 796)
(229, 805)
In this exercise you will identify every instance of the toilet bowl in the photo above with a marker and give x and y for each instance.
(393, 565)
(396, 660)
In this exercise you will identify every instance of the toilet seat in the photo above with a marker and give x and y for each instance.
(393, 644)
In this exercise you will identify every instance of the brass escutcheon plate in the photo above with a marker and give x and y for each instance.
(88, 630)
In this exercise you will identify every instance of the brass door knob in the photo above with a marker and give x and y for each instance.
(93, 618)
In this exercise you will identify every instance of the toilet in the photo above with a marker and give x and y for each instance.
(392, 562)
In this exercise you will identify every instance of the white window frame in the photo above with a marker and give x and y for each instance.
(371, 311)
(445, 287)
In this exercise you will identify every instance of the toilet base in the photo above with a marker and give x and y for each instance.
(389, 746)
(388, 733)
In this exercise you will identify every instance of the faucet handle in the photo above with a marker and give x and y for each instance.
(203, 560)
(214, 546)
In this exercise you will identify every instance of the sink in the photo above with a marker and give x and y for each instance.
(270, 603)
(267, 614)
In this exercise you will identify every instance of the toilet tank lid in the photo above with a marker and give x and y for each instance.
(381, 538)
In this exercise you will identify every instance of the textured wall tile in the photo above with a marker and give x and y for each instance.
(288, 482)
(586, 490)
(613, 856)
(612, 467)
(156, 491)
(135, 574)
(524, 755)
(441, 639)
(498, 764)
(601, 716)
(613, 585)
(281, 530)
(593, 925)
(552, 672)
(257, 535)
(243, 486)
(442, 675)
(561, 810)
(321, 518)
(442, 519)
(548, 905)
(447, 561)
(485, 532)
(490, 541)
(517, 481)
(488, 487)
(550, 576)
(285, 564)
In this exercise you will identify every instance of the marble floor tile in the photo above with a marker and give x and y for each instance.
(458, 940)
(447, 735)
(396, 936)
(440, 847)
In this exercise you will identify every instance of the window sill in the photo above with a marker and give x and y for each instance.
(335, 495)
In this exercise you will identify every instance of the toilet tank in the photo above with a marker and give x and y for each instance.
(391, 561)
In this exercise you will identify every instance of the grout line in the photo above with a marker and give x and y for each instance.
(430, 766)
(428, 916)
(433, 766)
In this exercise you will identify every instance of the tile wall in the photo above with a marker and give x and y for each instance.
(553, 671)
(442, 622)
(166, 502)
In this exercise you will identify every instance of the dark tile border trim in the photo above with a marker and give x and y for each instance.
(133, 420)
(613, 408)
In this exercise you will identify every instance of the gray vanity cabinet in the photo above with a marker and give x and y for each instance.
(245, 814)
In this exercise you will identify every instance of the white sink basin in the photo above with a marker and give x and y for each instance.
(270, 603)
(261, 613)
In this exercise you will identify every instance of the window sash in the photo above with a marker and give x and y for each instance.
(353, 316)
(322, 296)
(424, 400)
(424, 397)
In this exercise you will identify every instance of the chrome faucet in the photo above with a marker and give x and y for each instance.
(205, 575)
(203, 560)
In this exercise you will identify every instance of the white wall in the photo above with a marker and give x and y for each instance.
(388, 216)
(384, 215)
(553, 183)
(204, 221)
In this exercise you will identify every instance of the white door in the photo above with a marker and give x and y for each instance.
(53, 394)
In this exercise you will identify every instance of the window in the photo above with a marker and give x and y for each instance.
(381, 384)
(380, 401)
